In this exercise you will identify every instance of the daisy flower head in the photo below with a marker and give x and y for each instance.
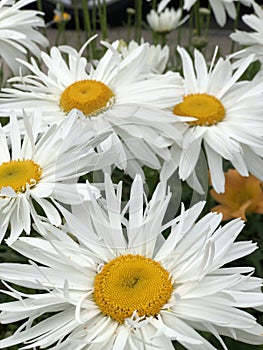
(158, 56)
(220, 8)
(38, 170)
(242, 196)
(120, 95)
(252, 40)
(165, 21)
(124, 286)
(228, 120)
(19, 32)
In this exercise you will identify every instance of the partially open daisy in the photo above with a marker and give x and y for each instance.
(253, 40)
(165, 21)
(121, 95)
(242, 196)
(158, 56)
(35, 169)
(228, 120)
(122, 286)
(19, 32)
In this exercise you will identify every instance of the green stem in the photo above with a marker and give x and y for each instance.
(61, 28)
(87, 28)
(86, 16)
(102, 9)
(94, 27)
(237, 16)
(190, 28)
(208, 21)
(138, 20)
(76, 19)
(154, 4)
(163, 40)
(93, 17)
(105, 22)
(197, 18)
(129, 26)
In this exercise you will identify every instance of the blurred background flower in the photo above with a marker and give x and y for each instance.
(242, 196)
(59, 17)
(165, 21)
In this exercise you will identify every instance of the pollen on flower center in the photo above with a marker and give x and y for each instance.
(88, 96)
(206, 108)
(131, 283)
(18, 173)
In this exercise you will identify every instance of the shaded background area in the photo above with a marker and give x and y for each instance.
(117, 11)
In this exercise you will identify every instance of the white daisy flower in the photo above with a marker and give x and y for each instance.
(19, 32)
(166, 21)
(253, 40)
(121, 285)
(228, 119)
(157, 56)
(120, 95)
(220, 8)
(37, 169)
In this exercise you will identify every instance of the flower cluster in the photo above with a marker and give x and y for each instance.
(110, 264)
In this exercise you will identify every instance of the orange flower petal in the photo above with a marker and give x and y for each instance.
(227, 214)
(242, 195)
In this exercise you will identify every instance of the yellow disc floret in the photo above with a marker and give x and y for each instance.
(206, 108)
(131, 283)
(19, 173)
(89, 96)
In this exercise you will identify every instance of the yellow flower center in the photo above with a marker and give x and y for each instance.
(132, 283)
(18, 173)
(89, 96)
(206, 108)
(61, 16)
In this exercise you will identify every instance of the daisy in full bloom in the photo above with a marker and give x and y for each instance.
(165, 21)
(228, 119)
(243, 195)
(122, 286)
(119, 94)
(19, 32)
(253, 40)
(35, 169)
